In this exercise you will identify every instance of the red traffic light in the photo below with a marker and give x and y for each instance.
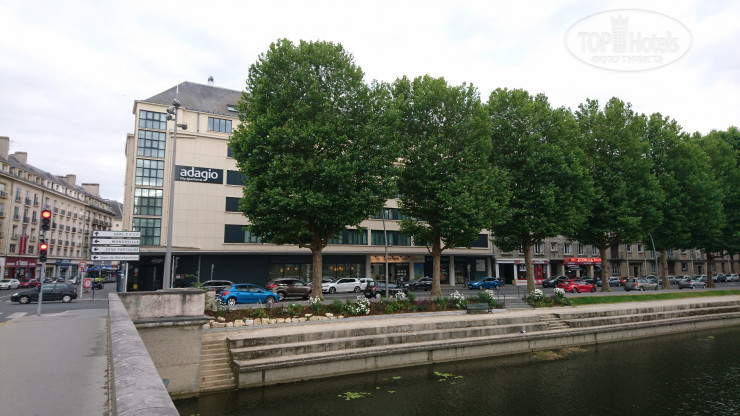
(46, 214)
(43, 246)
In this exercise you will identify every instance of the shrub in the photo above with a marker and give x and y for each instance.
(537, 298)
(458, 300)
(560, 298)
(315, 304)
(412, 296)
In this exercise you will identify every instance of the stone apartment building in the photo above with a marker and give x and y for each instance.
(25, 191)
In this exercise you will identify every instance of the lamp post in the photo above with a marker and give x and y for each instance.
(385, 241)
(171, 115)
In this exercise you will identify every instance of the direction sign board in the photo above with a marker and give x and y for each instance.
(119, 257)
(120, 234)
(116, 241)
(114, 249)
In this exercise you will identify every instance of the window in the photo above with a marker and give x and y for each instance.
(149, 172)
(152, 120)
(150, 229)
(615, 269)
(237, 233)
(568, 248)
(229, 152)
(538, 248)
(232, 204)
(219, 124)
(390, 214)
(639, 248)
(629, 248)
(234, 177)
(595, 251)
(581, 249)
(151, 144)
(350, 237)
(684, 266)
(553, 246)
(147, 201)
(482, 241)
(395, 238)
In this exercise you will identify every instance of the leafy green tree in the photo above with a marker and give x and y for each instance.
(312, 146)
(685, 176)
(448, 190)
(551, 189)
(627, 195)
(715, 233)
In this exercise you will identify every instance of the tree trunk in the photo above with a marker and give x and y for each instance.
(710, 260)
(318, 268)
(528, 264)
(604, 269)
(436, 266)
(663, 272)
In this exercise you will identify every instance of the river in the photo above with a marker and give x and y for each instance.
(685, 374)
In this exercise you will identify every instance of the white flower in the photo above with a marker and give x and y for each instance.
(559, 292)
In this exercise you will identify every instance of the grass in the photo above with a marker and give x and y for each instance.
(594, 300)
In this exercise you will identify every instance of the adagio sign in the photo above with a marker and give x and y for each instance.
(198, 174)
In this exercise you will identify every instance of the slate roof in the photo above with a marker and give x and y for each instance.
(199, 97)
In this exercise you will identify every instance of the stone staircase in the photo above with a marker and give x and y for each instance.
(553, 321)
(215, 365)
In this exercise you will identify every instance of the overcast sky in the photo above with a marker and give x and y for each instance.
(71, 70)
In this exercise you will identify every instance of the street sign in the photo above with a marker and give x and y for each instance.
(124, 234)
(116, 241)
(82, 264)
(114, 249)
(119, 257)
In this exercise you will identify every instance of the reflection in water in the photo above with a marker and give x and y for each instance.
(685, 374)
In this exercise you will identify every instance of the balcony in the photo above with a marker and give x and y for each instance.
(3, 194)
(28, 201)
(15, 236)
(16, 217)
(26, 220)
(17, 198)
(2, 214)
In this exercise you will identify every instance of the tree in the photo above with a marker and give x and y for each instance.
(627, 195)
(684, 173)
(550, 185)
(448, 190)
(311, 146)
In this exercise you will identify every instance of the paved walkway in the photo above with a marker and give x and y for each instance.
(54, 364)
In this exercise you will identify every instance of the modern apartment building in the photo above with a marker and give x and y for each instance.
(210, 242)
(77, 210)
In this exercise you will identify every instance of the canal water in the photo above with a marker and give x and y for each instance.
(686, 374)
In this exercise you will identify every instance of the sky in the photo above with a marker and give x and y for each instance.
(70, 71)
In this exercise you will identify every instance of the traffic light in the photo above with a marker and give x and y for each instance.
(45, 220)
(42, 251)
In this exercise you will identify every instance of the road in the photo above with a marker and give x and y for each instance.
(10, 311)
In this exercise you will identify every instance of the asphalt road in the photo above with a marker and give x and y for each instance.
(13, 310)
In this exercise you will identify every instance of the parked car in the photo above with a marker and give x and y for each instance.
(52, 292)
(59, 279)
(719, 278)
(641, 284)
(733, 277)
(74, 280)
(577, 286)
(10, 284)
(29, 283)
(484, 283)
(289, 288)
(345, 284)
(553, 281)
(614, 281)
(691, 284)
(376, 289)
(246, 293)
(217, 285)
(421, 283)
(701, 278)
(364, 282)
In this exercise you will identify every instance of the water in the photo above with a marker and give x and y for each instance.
(686, 374)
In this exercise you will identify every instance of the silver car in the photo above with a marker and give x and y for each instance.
(691, 284)
(641, 284)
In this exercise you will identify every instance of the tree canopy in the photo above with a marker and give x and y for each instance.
(448, 189)
(311, 147)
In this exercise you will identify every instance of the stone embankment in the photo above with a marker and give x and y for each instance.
(271, 354)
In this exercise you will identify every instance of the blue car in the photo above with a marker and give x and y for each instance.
(246, 293)
(484, 283)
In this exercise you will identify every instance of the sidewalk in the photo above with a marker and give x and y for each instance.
(55, 364)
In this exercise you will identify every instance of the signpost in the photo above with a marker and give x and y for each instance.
(115, 245)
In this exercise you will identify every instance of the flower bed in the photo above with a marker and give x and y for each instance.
(361, 306)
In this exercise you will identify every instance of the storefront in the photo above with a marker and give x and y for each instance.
(20, 268)
(582, 266)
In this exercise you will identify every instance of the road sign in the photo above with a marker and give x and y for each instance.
(87, 283)
(114, 249)
(119, 257)
(122, 234)
(116, 241)
(82, 264)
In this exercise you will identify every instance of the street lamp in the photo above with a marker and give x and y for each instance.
(171, 115)
(385, 241)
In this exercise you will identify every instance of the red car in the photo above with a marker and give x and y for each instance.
(30, 283)
(576, 286)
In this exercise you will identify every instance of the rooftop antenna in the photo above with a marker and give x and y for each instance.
(210, 80)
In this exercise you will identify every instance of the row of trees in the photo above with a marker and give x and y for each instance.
(322, 151)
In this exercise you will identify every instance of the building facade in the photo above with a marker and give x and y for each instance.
(209, 240)
(26, 191)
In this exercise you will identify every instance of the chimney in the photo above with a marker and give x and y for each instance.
(21, 157)
(210, 80)
(92, 188)
(71, 179)
(4, 147)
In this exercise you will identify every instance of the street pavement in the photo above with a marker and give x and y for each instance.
(55, 363)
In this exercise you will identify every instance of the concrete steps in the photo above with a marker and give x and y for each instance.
(215, 367)
(553, 321)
